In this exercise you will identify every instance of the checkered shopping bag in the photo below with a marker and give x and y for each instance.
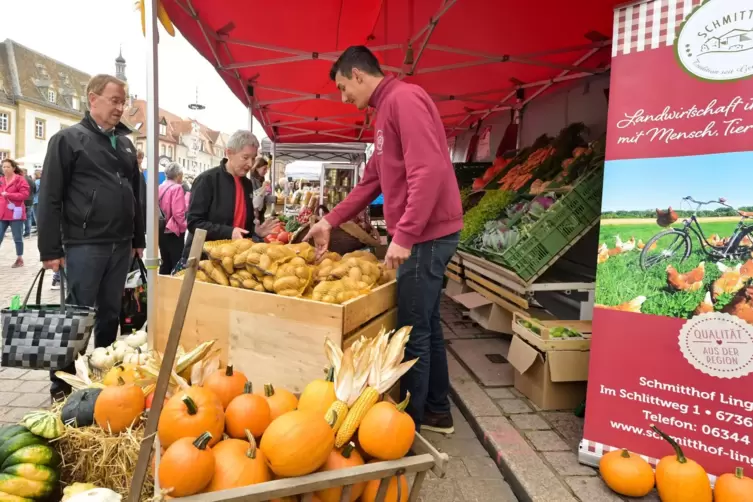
(45, 337)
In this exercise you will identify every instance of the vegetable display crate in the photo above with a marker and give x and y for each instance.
(546, 340)
(424, 458)
(590, 189)
(560, 226)
(268, 337)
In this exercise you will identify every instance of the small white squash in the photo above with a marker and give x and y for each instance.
(102, 359)
(136, 339)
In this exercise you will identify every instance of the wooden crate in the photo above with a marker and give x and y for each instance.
(271, 338)
(545, 342)
(425, 458)
(455, 269)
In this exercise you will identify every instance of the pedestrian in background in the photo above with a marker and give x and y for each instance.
(142, 184)
(37, 181)
(90, 219)
(14, 190)
(172, 203)
(29, 202)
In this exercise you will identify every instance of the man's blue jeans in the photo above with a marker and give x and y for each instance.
(96, 276)
(419, 290)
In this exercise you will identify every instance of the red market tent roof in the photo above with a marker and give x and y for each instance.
(472, 56)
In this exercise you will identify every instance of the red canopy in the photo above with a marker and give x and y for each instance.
(470, 55)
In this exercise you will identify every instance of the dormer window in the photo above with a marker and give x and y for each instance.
(163, 127)
(75, 103)
(51, 97)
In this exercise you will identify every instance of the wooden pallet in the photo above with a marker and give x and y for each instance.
(544, 341)
(455, 269)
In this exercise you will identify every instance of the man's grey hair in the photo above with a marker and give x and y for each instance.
(241, 139)
(173, 170)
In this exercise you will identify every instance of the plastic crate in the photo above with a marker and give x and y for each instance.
(564, 221)
(590, 189)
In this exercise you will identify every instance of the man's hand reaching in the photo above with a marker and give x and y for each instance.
(320, 233)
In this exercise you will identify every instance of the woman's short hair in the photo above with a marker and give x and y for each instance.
(13, 163)
(173, 170)
(241, 139)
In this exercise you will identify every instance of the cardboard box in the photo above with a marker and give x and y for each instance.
(455, 288)
(487, 314)
(552, 380)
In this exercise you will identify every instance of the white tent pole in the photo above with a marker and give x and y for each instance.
(250, 119)
(152, 152)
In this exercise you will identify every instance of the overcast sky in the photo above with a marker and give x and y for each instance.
(87, 34)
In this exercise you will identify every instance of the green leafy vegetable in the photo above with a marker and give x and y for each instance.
(491, 207)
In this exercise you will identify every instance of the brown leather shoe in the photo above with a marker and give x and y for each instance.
(18, 263)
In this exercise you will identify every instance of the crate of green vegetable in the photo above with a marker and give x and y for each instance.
(553, 335)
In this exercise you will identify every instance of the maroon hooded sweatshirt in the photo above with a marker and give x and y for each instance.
(410, 166)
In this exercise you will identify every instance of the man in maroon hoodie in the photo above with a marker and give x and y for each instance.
(411, 166)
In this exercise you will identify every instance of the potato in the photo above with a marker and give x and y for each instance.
(269, 283)
(243, 245)
(227, 264)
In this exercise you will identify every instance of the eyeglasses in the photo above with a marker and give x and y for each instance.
(113, 100)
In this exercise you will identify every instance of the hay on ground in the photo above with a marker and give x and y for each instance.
(90, 455)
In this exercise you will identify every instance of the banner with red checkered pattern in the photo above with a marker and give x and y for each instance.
(672, 343)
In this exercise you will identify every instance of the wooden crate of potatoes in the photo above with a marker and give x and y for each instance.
(274, 330)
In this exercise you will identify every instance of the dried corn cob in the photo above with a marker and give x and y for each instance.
(337, 409)
(364, 403)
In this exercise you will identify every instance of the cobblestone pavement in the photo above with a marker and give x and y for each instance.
(472, 475)
(22, 391)
(536, 450)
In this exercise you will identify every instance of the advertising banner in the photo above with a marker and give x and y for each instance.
(673, 333)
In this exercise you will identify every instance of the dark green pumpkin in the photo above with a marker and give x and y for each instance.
(28, 465)
(78, 410)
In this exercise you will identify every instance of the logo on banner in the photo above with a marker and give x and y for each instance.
(719, 345)
(716, 41)
(379, 142)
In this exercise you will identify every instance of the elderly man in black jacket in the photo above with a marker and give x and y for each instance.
(222, 197)
(90, 222)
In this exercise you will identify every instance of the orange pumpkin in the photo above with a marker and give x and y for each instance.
(319, 394)
(189, 413)
(238, 463)
(387, 432)
(280, 401)
(627, 474)
(119, 406)
(187, 466)
(297, 443)
(348, 456)
(679, 479)
(733, 487)
(226, 384)
(394, 494)
(130, 373)
(248, 411)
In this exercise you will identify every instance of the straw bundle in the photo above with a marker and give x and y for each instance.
(90, 455)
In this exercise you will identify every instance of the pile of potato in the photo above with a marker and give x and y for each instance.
(290, 270)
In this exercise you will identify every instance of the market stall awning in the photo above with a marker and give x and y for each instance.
(317, 152)
(476, 58)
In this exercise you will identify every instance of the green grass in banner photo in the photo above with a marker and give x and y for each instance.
(633, 192)
(621, 279)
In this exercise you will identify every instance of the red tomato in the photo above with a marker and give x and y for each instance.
(283, 237)
(270, 238)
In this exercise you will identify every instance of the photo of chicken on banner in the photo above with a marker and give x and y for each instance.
(683, 255)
